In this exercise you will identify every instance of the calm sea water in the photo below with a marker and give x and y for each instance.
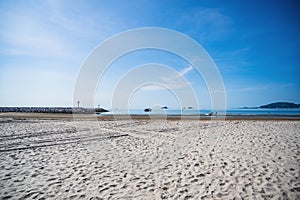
(202, 112)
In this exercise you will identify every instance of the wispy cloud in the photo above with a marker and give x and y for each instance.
(76, 20)
(58, 31)
(166, 86)
(152, 87)
(240, 51)
(186, 70)
(181, 73)
(209, 23)
(270, 87)
(249, 88)
(28, 35)
(174, 81)
(235, 60)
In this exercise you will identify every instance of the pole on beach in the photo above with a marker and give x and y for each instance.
(78, 102)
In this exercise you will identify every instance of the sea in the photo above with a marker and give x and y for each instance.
(242, 112)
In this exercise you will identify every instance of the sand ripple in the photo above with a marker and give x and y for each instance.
(61, 159)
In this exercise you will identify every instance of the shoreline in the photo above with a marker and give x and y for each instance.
(100, 117)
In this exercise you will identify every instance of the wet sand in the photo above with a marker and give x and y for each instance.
(17, 115)
(54, 157)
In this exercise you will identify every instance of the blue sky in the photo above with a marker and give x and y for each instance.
(255, 45)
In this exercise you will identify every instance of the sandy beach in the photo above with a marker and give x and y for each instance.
(148, 159)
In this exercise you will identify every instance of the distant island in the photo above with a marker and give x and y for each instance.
(276, 105)
(281, 105)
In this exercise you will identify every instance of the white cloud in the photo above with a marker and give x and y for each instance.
(186, 70)
(173, 81)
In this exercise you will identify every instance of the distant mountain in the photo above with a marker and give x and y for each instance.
(281, 105)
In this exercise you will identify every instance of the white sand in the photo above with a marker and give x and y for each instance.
(62, 159)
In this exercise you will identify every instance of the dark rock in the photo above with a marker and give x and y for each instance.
(147, 110)
(66, 110)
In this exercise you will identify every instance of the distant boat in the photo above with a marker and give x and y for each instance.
(189, 108)
(209, 114)
(100, 110)
(164, 107)
(147, 110)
